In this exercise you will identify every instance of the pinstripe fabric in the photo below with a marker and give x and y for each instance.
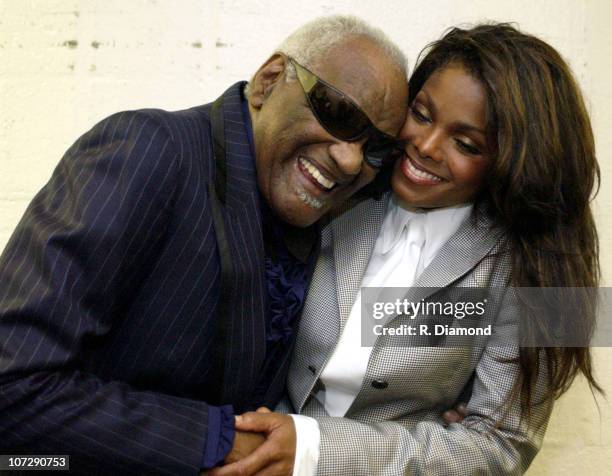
(399, 429)
(108, 295)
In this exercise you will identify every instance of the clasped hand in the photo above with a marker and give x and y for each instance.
(264, 446)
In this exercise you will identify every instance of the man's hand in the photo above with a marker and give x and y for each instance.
(275, 457)
(456, 415)
(245, 442)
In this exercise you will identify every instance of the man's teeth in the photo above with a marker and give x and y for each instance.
(312, 170)
(421, 173)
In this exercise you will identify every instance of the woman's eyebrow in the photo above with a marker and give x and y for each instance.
(466, 127)
(460, 125)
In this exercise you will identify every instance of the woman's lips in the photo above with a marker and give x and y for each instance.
(418, 175)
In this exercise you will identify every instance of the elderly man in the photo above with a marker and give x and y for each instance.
(151, 290)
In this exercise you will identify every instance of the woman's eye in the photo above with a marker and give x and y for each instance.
(468, 148)
(418, 115)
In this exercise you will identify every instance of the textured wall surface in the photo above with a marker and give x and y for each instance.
(66, 64)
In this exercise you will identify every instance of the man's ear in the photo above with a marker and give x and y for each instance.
(266, 78)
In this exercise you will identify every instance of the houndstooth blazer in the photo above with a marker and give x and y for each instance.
(399, 429)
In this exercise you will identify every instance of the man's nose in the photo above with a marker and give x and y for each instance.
(348, 156)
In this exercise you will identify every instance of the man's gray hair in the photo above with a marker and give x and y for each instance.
(313, 41)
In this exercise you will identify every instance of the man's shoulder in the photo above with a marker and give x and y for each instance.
(192, 114)
(179, 125)
(145, 140)
(185, 125)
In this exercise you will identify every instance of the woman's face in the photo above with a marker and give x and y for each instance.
(446, 155)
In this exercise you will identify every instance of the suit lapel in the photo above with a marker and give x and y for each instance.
(355, 234)
(352, 251)
(459, 255)
(343, 257)
(241, 216)
(241, 176)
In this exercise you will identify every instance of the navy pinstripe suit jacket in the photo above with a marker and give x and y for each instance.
(109, 291)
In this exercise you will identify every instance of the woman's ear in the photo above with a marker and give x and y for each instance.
(266, 77)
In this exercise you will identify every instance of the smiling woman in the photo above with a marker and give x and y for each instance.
(446, 148)
(490, 194)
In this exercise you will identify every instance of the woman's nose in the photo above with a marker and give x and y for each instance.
(428, 144)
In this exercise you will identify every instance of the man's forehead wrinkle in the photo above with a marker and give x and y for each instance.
(360, 78)
(364, 86)
(364, 73)
(396, 107)
(379, 99)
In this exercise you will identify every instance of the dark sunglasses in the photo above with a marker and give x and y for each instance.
(344, 119)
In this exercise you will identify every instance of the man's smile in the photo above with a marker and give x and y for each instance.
(315, 174)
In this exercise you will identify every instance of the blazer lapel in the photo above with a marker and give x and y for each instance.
(343, 257)
(241, 216)
(241, 177)
(464, 250)
(353, 248)
(458, 256)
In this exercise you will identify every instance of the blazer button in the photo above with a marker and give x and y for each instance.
(380, 384)
(313, 369)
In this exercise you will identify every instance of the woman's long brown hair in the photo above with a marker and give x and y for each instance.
(540, 184)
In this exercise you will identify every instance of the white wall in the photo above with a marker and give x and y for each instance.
(65, 64)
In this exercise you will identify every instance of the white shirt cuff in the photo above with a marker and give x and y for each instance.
(306, 446)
